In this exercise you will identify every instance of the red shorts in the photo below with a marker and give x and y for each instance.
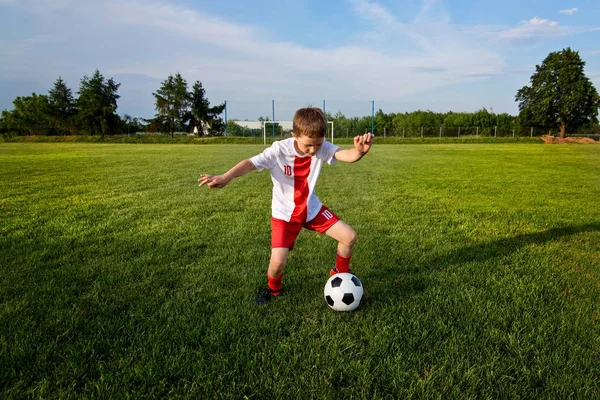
(284, 234)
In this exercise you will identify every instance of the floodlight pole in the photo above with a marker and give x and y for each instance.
(373, 117)
(273, 130)
(328, 121)
(225, 117)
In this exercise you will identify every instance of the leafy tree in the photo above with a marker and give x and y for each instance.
(341, 124)
(560, 95)
(383, 123)
(416, 122)
(234, 129)
(506, 123)
(131, 125)
(30, 116)
(455, 120)
(97, 104)
(62, 106)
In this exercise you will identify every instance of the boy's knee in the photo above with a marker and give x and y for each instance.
(350, 237)
(277, 263)
(353, 237)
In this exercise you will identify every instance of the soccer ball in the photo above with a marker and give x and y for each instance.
(343, 292)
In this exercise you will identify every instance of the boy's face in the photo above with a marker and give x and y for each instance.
(307, 145)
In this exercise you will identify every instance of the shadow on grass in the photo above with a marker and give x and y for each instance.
(406, 280)
(504, 247)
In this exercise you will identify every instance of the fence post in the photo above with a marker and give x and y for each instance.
(477, 132)
(384, 130)
(421, 132)
(440, 131)
(403, 132)
(532, 131)
(495, 130)
(513, 132)
(459, 131)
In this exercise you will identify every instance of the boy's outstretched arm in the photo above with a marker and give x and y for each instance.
(362, 145)
(220, 181)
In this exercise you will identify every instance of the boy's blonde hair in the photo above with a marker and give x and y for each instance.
(310, 122)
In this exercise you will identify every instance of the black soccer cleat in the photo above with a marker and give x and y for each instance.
(334, 271)
(265, 295)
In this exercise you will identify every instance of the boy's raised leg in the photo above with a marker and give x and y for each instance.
(346, 237)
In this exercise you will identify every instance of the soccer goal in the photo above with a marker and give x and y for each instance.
(284, 128)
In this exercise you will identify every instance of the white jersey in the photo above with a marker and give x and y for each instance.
(294, 178)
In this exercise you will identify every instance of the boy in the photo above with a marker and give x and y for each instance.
(295, 164)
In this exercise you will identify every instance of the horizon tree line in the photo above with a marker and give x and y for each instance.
(560, 98)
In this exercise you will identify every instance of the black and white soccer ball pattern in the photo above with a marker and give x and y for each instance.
(343, 292)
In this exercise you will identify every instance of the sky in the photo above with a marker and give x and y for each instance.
(273, 56)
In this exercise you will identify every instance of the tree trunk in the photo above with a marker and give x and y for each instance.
(563, 128)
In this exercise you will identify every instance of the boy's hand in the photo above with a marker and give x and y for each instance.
(219, 181)
(363, 143)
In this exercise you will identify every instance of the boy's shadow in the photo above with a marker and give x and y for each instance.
(405, 280)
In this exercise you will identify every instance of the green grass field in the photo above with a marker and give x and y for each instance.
(120, 277)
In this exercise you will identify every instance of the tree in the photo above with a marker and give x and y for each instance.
(30, 116)
(131, 125)
(62, 106)
(172, 103)
(202, 115)
(383, 123)
(97, 104)
(560, 95)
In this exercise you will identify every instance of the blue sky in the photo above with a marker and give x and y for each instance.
(405, 55)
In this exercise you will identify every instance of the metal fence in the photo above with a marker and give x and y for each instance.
(351, 118)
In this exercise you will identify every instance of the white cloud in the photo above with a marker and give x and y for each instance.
(438, 46)
(535, 28)
(155, 38)
(569, 12)
(246, 61)
(385, 23)
(142, 42)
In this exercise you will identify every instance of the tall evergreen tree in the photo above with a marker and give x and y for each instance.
(62, 106)
(172, 103)
(97, 104)
(202, 116)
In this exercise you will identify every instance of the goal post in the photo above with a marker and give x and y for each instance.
(287, 126)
